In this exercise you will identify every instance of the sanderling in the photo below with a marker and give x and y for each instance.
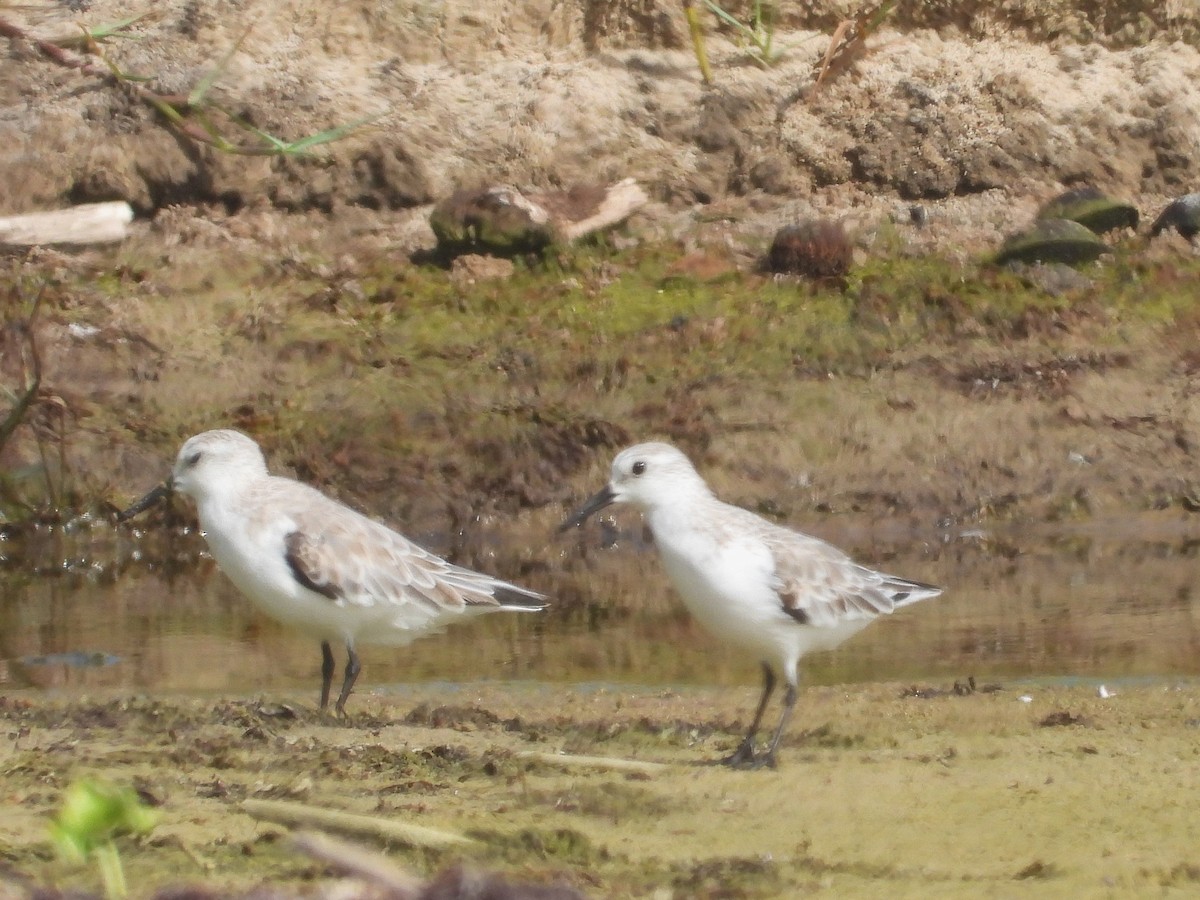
(769, 589)
(318, 565)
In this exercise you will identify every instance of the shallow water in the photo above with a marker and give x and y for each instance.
(1106, 601)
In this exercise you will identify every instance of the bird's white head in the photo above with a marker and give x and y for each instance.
(646, 476)
(649, 475)
(214, 461)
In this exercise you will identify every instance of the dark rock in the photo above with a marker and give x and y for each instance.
(1091, 208)
(1183, 215)
(1052, 240)
(497, 219)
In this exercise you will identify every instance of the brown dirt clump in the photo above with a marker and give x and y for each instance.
(816, 249)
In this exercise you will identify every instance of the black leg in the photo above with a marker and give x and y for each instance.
(326, 673)
(352, 670)
(789, 701)
(744, 754)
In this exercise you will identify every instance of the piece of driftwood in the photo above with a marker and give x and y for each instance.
(91, 223)
(614, 205)
(358, 861)
(335, 820)
(596, 762)
(503, 221)
(458, 882)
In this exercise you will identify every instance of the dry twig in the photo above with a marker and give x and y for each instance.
(848, 44)
(190, 115)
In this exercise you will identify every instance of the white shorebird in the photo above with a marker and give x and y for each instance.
(318, 565)
(774, 591)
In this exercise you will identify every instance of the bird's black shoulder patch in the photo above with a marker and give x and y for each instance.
(298, 547)
(792, 607)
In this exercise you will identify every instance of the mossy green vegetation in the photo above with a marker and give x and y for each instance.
(670, 325)
(361, 373)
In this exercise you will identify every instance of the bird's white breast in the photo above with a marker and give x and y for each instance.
(251, 554)
(723, 576)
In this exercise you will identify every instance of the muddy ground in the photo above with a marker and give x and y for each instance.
(1031, 790)
(925, 392)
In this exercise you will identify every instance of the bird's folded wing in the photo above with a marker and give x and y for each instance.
(359, 562)
(819, 585)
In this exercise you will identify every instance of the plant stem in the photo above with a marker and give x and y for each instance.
(111, 871)
(697, 31)
(33, 382)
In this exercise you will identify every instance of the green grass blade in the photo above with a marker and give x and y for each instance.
(331, 134)
(726, 17)
(114, 29)
(204, 85)
(879, 15)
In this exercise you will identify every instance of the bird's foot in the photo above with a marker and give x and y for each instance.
(741, 757)
(745, 759)
(760, 761)
(765, 760)
(335, 716)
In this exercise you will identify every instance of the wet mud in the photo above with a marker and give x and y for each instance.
(901, 790)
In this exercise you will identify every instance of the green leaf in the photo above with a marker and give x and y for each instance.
(93, 812)
(304, 145)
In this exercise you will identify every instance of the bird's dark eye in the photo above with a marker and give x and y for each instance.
(193, 459)
(638, 468)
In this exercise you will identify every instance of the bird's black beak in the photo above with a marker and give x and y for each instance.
(600, 500)
(153, 498)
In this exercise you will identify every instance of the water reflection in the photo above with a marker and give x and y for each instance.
(1107, 603)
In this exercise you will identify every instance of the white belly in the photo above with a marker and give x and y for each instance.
(732, 598)
(257, 565)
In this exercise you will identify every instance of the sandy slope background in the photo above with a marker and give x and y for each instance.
(974, 106)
